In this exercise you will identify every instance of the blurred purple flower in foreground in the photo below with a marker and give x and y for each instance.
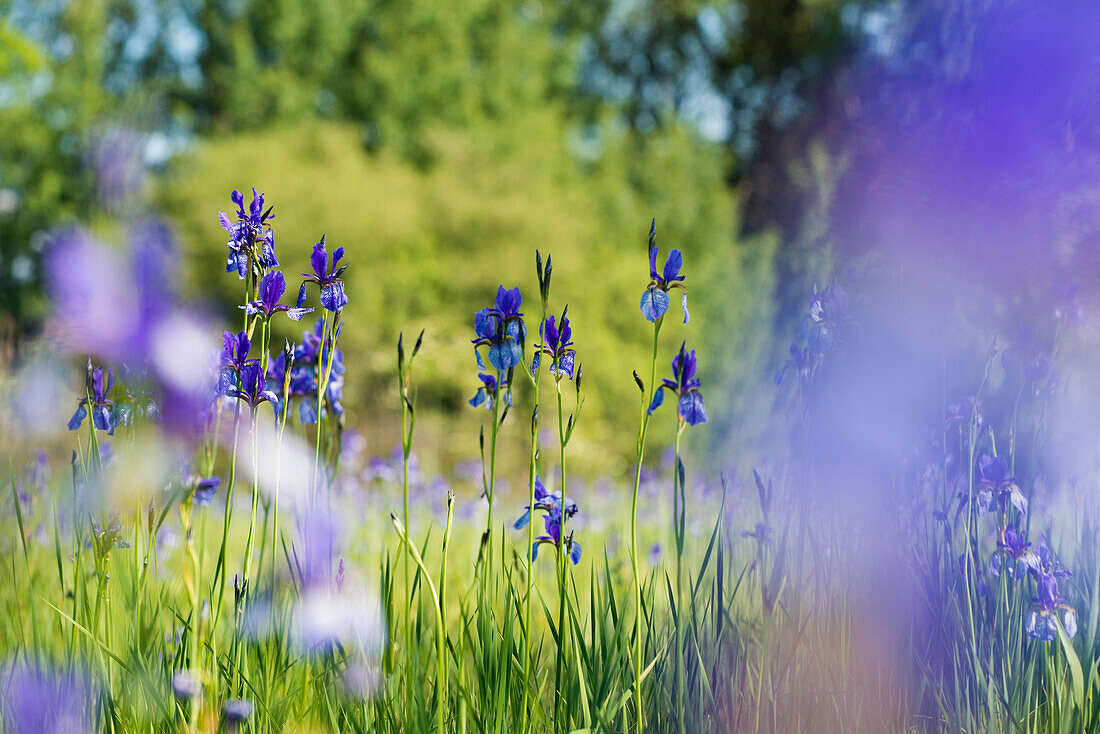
(41, 702)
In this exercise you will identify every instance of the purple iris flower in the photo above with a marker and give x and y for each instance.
(1041, 623)
(250, 239)
(102, 406)
(333, 297)
(995, 484)
(1016, 547)
(302, 382)
(558, 346)
(828, 311)
(487, 394)
(235, 349)
(310, 357)
(253, 387)
(553, 523)
(689, 407)
(34, 701)
(546, 501)
(272, 288)
(234, 358)
(501, 329)
(655, 298)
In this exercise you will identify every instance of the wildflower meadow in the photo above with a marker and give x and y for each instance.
(216, 553)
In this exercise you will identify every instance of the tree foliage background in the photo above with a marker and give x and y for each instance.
(443, 142)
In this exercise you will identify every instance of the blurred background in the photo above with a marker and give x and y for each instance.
(937, 158)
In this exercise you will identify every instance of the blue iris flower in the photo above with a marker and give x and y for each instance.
(556, 512)
(333, 297)
(685, 385)
(1041, 623)
(500, 328)
(994, 485)
(272, 288)
(489, 391)
(101, 405)
(250, 239)
(655, 298)
(557, 345)
(553, 522)
(546, 501)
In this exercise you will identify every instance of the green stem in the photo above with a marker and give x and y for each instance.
(533, 475)
(679, 511)
(562, 567)
(647, 398)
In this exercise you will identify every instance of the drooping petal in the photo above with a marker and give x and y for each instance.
(575, 552)
(658, 399)
(296, 314)
(1069, 621)
(684, 306)
(692, 409)
(101, 418)
(78, 418)
(654, 303)
(505, 354)
(479, 398)
(523, 520)
(565, 364)
(333, 297)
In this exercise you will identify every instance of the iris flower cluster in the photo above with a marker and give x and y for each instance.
(556, 512)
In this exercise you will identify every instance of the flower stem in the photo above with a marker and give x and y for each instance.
(647, 397)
